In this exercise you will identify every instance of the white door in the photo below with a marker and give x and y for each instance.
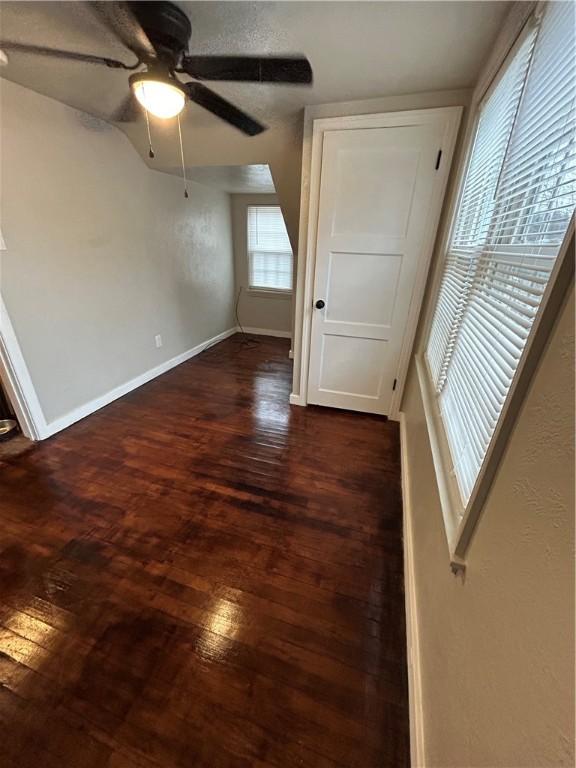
(375, 210)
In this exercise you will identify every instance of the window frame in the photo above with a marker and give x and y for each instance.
(460, 520)
(261, 291)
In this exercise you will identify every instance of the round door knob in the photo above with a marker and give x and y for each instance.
(320, 304)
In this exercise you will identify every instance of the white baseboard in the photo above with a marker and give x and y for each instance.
(412, 636)
(267, 332)
(99, 402)
(297, 399)
(291, 354)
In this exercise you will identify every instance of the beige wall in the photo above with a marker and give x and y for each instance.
(103, 254)
(256, 309)
(430, 100)
(280, 147)
(497, 648)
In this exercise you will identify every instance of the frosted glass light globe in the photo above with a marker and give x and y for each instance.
(159, 97)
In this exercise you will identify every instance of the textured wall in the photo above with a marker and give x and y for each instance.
(256, 311)
(215, 143)
(497, 649)
(103, 254)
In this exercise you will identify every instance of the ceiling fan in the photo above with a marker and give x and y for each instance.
(158, 34)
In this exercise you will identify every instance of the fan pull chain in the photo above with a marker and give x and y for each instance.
(150, 150)
(182, 158)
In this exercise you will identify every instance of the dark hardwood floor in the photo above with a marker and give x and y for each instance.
(200, 575)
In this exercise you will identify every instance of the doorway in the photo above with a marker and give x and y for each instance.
(16, 382)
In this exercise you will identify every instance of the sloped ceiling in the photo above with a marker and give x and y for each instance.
(358, 50)
(235, 179)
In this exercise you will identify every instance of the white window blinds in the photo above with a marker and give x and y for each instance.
(269, 251)
(516, 202)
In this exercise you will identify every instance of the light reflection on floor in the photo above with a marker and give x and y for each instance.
(17, 644)
(269, 412)
(217, 640)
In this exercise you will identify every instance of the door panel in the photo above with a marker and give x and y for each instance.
(375, 194)
(350, 298)
(383, 177)
(351, 366)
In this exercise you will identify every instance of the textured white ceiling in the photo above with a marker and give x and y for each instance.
(358, 50)
(236, 179)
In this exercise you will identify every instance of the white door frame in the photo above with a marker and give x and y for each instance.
(450, 117)
(17, 382)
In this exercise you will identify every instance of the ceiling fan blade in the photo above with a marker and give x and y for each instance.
(58, 54)
(223, 109)
(128, 112)
(122, 22)
(249, 69)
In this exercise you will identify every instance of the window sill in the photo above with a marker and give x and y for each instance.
(453, 512)
(269, 293)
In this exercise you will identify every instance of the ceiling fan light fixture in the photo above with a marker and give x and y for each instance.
(159, 95)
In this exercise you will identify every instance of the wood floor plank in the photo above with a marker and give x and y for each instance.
(201, 575)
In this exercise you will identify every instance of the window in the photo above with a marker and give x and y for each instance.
(516, 202)
(269, 251)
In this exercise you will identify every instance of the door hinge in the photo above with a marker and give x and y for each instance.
(438, 158)
(394, 385)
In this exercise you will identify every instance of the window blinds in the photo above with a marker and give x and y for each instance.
(269, 251)
(518, 196)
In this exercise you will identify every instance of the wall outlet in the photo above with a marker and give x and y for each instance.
(158, 340)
